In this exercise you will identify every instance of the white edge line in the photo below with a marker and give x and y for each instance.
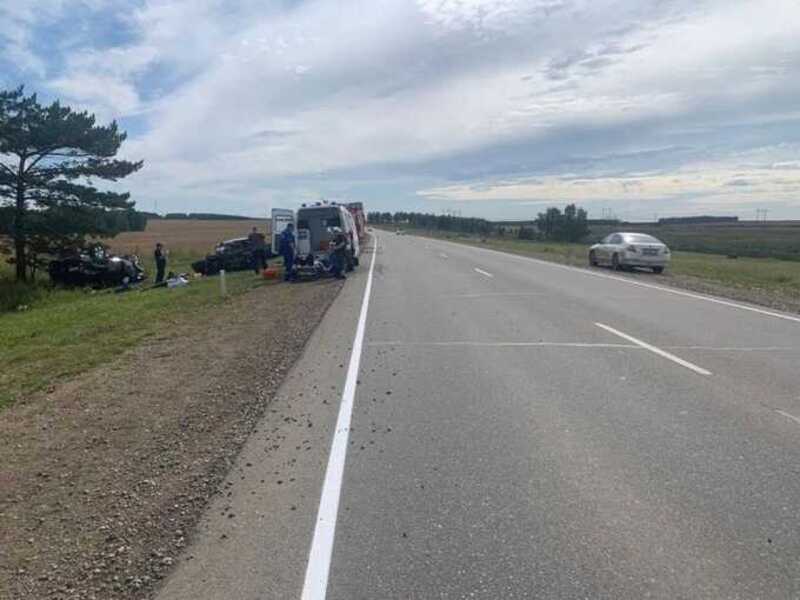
(787, 415)
(659, 351)
(319, 558)
(482, 272)
(632, 282)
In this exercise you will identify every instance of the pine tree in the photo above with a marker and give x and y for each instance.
(49, 156)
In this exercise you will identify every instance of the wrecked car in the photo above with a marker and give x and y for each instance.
(95, 267)
(231, 255)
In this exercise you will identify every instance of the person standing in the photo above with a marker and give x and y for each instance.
(288, 249)
(257, 243)
(161, 261)
(339, 255)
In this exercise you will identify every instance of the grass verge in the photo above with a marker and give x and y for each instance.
(66, 331)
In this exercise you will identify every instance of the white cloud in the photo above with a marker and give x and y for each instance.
(106, 97)
(738, 183)
(236, 95)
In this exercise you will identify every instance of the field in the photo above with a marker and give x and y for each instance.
(192, 237)
(48, 334)
(776, 239)
(767, 281)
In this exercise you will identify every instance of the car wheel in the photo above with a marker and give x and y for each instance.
(615, 263)
(592, 259)
(658, 270)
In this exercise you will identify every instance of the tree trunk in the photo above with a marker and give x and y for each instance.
(19, 225)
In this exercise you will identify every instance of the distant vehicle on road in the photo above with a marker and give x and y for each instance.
(627, 250)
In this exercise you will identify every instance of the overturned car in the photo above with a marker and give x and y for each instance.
(95, 267)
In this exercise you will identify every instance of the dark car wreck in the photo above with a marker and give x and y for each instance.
(231, 255)
(95, 267)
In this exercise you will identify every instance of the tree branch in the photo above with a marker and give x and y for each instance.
(10, 171)
(51, 151)
(70, 154)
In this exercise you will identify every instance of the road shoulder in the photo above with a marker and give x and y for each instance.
(104, 477)
(254, 539)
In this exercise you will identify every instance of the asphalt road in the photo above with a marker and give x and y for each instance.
(519, 429)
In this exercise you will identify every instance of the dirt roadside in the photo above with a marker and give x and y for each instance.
(102, 479)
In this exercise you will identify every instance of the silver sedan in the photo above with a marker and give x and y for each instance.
(627, 250)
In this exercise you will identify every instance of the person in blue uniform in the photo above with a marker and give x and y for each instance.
(287, 246)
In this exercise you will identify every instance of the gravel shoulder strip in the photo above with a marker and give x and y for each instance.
(103, 479)
(768, 298)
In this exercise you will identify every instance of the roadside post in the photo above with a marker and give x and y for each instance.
(222, 287)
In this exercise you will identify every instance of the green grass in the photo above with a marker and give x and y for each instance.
(64, 332)
(767, 274)
(777, 239)
(40, 292)
(764, 274)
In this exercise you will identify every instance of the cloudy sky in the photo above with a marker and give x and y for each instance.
(494, 108)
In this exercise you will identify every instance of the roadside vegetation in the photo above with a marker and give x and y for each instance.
(51, 158)
(64, 332)
(775, 239)
(49, 333)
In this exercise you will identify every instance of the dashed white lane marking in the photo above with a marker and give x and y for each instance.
(787, 415)
(319, 558)
(443, 255)
(627, 280)
(655, 350)
(482, 272)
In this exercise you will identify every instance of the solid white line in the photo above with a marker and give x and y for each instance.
(659, 351)
(482, 272)
(661, 288)
(787, 415)
(319, 558)
(507, 344)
